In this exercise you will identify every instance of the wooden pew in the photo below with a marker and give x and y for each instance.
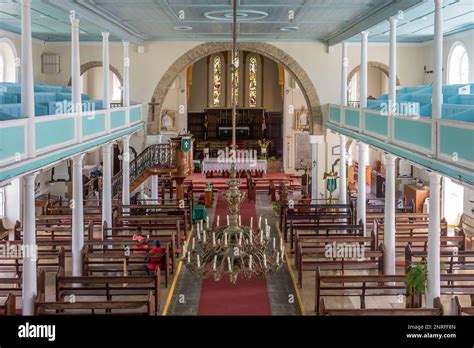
(377, 205)
(150, 209)
(399, 217)
(416, 234)
(127, 308)
(436, 311)
(8, 305)
(48, 260)
(120, 259)
(4, 231)
(108, 286)
(312, 257)
(63, 232)
(382, 285)
(459, 310)
(14, 285)
(161, 229)
(466, 224)
(315, 207)
(451, 260)
(328, 229)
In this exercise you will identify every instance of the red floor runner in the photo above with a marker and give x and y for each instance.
(246, 297)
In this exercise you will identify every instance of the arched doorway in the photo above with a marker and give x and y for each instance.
(8, 61)
(91, 75)
(378, 75)
(264, 49)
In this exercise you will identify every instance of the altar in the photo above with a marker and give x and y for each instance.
(210, 165)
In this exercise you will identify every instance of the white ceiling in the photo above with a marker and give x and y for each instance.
(210, 20)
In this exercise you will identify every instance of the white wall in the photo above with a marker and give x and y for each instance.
(38, 49)
(466, 38)
(13, 202)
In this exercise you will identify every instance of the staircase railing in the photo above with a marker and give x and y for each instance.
(160, 156)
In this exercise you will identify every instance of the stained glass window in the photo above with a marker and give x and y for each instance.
(217, 85)
(235, 75)
(253, 66)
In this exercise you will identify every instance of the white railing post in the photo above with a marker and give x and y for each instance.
(27, 80)
(77, 215)
(437, 106)
(364, 68)
(344, 65)
(392, 99)
(29, 245)
(105, 80)
(126, 81)
(76, 75)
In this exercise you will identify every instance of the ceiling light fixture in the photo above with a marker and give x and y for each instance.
(242, 15)
(183, 28)
(290, 29)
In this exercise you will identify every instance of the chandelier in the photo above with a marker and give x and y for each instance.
(233, 249)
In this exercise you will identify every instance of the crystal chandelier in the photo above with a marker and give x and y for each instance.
(233, 249)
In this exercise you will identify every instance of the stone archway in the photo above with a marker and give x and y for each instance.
(264, 49)
(96, 64)
(372, 64)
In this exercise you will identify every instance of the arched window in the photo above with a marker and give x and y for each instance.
(116, 88)
(217, 80)
(253, 68)
(458, 65)
(353, 90)
(235, 76)
(1, 69)
(7, 61)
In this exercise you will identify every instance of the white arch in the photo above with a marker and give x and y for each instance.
(450, 77)
(10, 55)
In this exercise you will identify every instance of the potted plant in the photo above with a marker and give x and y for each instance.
(264, 145)
(276, 209)
(417, 273)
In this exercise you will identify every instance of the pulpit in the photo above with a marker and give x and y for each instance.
(182, 145)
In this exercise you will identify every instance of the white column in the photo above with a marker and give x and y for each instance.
(77, 215)
(342, 170)
(126, 73)
(105, 67)
(434, 233)
(389, 218)
(361, 184)
(438, 61)
(126, 170)
(392, 87)
(27, 81)
(29, 243)
(364, 68)
(107, 184)
(76, 75)
(344, 65)
(154, 187)
(314, 140)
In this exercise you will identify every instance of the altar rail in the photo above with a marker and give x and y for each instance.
(443, 145)
(56, 138)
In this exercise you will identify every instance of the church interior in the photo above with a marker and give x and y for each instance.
(237, 158)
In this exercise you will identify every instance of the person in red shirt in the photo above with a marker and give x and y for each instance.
(156, 258)
(142, 247)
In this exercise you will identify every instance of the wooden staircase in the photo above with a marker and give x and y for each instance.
(155, 159)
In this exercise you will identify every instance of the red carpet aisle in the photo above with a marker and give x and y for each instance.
(246, 297)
